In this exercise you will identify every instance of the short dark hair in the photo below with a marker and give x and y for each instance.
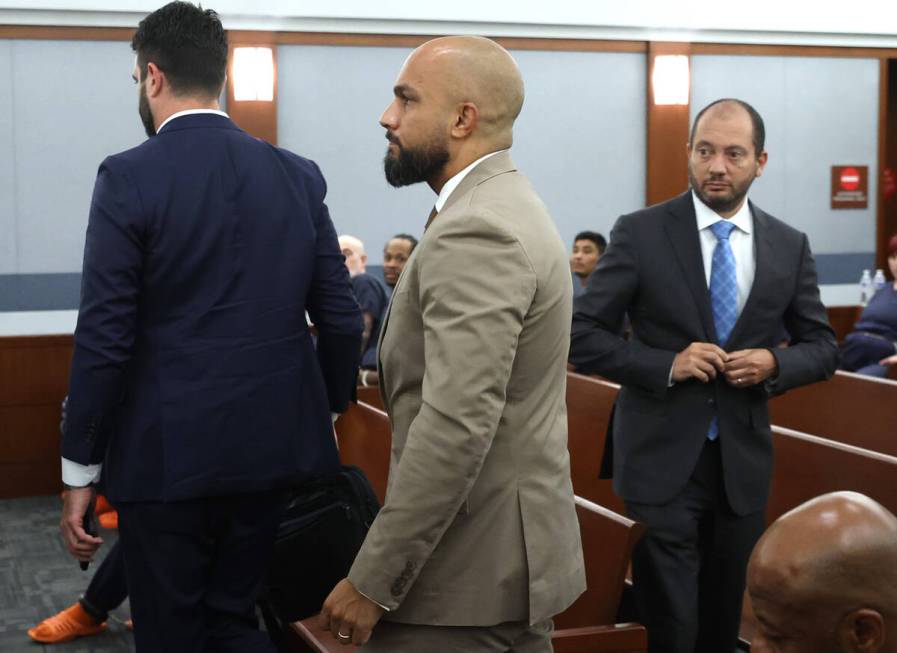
(411, 239)
(759, 129)
(187, 43)
(892, 246)
(595, 237)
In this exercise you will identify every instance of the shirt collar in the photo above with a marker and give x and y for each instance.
(189, 112)
(707, 216)
(450, 186)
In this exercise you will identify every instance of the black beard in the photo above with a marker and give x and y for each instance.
(415, 165)
(719, 204)
(146, 114)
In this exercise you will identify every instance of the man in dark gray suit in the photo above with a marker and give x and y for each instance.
(708, 281)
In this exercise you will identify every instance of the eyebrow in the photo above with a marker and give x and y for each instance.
(403, 90)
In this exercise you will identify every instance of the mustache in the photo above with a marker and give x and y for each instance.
(392, 138)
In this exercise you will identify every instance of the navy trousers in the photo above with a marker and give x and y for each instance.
(194, 570)
(108, 587)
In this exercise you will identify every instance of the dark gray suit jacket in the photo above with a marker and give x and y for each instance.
(653, 270)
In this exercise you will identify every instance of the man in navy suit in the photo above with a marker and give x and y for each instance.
(195, 384)
(707, 280)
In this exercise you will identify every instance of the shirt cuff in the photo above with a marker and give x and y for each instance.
(670, 382)
(372, 600)
(78, 475)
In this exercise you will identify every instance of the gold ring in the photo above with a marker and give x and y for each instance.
(738, 380)
(343, 637)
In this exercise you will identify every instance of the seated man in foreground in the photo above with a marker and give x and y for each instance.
(824, 578)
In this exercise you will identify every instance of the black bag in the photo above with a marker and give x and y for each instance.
(324, 524)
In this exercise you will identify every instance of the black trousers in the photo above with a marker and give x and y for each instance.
(107, 588)
(689, 569)
(194, 570)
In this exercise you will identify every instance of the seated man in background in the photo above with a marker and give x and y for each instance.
(395, 254)
(371, 297)
(588, 246)
(823, 578)
(868, 347)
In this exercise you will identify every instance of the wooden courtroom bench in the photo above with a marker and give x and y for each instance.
(370, 396)
(849, 408)
(588, 625)
(365, 439)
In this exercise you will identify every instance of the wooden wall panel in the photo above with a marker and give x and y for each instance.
(34, 374)
(667, 137)
(887, 158)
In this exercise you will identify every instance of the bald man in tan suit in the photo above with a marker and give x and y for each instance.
(477, 545)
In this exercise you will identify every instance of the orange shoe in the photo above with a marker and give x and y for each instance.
(103, 505)
(67, 625)
(108, 520)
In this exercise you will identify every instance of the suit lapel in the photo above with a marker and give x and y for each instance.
(764, 258)
(682, 231)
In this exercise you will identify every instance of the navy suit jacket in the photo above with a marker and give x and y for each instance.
(653, 270)
(194, 372)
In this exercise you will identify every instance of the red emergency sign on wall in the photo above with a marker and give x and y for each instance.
(850, 186)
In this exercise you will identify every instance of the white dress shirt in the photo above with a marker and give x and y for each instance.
(741, 240)
(76, 474)
(450, 186)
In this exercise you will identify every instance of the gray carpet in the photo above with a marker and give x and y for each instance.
(38, 578)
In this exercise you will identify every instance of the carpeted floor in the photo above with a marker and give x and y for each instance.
(38, 578)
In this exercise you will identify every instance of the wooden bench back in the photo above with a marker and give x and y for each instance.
(849, 408)
(607, 542)
(365, 440)
(807, 466)
(589, 405)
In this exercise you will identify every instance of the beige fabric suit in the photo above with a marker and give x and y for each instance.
(479, 525)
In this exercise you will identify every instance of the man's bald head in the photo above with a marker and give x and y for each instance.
(356, 258)
(827, 569)
(456, 100)
(479, 71)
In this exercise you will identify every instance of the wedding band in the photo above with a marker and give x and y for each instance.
(343, 637)
(738, 380)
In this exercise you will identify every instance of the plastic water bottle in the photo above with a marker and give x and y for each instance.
(878, 282)
(865, 287)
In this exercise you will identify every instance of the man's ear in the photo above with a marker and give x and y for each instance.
(466, 118)
(861, 631)
(155, 80)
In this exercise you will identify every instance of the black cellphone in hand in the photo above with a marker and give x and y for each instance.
(90, 527)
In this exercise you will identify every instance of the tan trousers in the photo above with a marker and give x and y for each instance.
(508, 637)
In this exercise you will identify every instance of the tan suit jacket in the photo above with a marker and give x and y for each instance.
(478, 525)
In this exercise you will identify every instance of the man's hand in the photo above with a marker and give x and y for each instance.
(890, 360)
(81, 545)
(349, 615)
(700, 360)
(748, 367)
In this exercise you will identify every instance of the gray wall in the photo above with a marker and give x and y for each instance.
(64, 106)
(818, 113)
(580, 138)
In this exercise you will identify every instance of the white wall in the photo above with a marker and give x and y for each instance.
(861, 22)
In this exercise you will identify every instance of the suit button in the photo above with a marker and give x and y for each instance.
(711, 402)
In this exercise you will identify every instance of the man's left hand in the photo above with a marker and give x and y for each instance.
(80, 544)
(748, 367)
(349, 615)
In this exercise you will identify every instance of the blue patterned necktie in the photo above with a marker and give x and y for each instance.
(723, 294)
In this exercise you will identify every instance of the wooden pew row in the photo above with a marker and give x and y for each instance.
(370, 396)
(849, 408)
(587, 626)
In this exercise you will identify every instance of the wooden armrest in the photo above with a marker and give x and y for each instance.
(618, 638)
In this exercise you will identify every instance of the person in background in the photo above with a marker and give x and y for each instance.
(588, 247)
(371, 297)
(395, 255)
(872, 346)
(823, 579)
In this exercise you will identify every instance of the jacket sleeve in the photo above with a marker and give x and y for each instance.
(104, 336)
(476, 285)
(813, 353)
(337, 316)
(596, 346)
